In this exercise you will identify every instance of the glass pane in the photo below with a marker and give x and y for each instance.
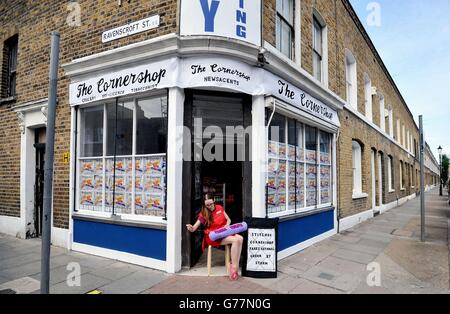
(311, 144)
(292, 139)
(91, 185)
(272, 187)
(123, 134)
(281, 185)
(300, 143)
(300, 178)
(278, 33)
(292, 185)
(277, 128)
(317, 40)
(317, 66)
(150, 186)
(91, 133)
(325, 148)
(286, 40)
(325, 184)
(151, 130)
(121, 187)
(311, 185)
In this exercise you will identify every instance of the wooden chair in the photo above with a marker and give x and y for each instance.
(227, 258)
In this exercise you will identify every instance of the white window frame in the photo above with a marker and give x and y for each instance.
(104, 157)
(368, 97)
(382, 114)
(357, 169)
(280, 18)
(391, 122)
(351, 79)
(324, 53)
(390, 174)
(402, 187)
(288, 211)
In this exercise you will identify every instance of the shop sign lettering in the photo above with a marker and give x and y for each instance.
(199, 72)
(131, 29)
(238, 19)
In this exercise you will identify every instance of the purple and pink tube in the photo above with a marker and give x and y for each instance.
(228, 231)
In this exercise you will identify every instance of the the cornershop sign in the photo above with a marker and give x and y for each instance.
(238, 19)
(198, 72)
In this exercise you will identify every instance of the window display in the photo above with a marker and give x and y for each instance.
(132, 182)
(299, 167)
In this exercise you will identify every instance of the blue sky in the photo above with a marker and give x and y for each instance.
(413, 39)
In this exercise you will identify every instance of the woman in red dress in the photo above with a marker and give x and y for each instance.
(214, 217)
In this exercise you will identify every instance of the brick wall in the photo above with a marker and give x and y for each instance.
(33, 21)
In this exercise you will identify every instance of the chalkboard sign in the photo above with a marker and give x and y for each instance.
(260, 248)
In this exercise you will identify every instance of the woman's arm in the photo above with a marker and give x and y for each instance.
(193, 228)
(228, 219)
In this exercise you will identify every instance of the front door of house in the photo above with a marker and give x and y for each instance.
(39, 182)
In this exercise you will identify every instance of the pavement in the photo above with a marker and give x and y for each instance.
(381, 256)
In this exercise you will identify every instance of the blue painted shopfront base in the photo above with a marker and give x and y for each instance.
(296, 231)
(144, 242)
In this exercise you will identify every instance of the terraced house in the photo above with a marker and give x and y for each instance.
(320, 138)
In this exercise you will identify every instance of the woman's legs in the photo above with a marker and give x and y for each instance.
(236, 248)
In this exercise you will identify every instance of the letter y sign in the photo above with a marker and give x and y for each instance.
(209, 13)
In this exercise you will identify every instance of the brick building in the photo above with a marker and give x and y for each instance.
(342, 144)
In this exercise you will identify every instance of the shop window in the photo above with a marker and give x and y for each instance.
(325, 168)
(91, 131)
(285, 27)
(120, 129)
(351, 80)
(293, 166)
(9, 67)
(123, 163)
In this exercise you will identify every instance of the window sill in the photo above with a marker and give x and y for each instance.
(391, 191)
(402, 189)
(117, 220)
(357, 196)
(305, 214)
(8, 100)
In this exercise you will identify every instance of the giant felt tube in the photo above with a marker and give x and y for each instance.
(228, 231)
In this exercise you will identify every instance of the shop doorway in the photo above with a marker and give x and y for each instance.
(220, 162)
(39, 145)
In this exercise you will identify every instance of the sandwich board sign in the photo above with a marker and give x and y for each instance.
(260, 248)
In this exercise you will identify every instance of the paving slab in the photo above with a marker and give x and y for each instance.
(88, 283)
(22, 285)
(355, 256)
(134, 283)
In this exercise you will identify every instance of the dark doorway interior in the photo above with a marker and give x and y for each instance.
(39, 146)
(224, 178)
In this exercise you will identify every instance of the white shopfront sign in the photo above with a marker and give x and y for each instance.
(194, 73)
(131, 29)
(238, 19)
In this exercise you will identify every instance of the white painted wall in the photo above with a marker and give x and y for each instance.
(174, 175)
(259, 157)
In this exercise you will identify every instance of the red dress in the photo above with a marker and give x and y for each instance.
(218, 221)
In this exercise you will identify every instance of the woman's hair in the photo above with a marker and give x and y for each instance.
(205, 212)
